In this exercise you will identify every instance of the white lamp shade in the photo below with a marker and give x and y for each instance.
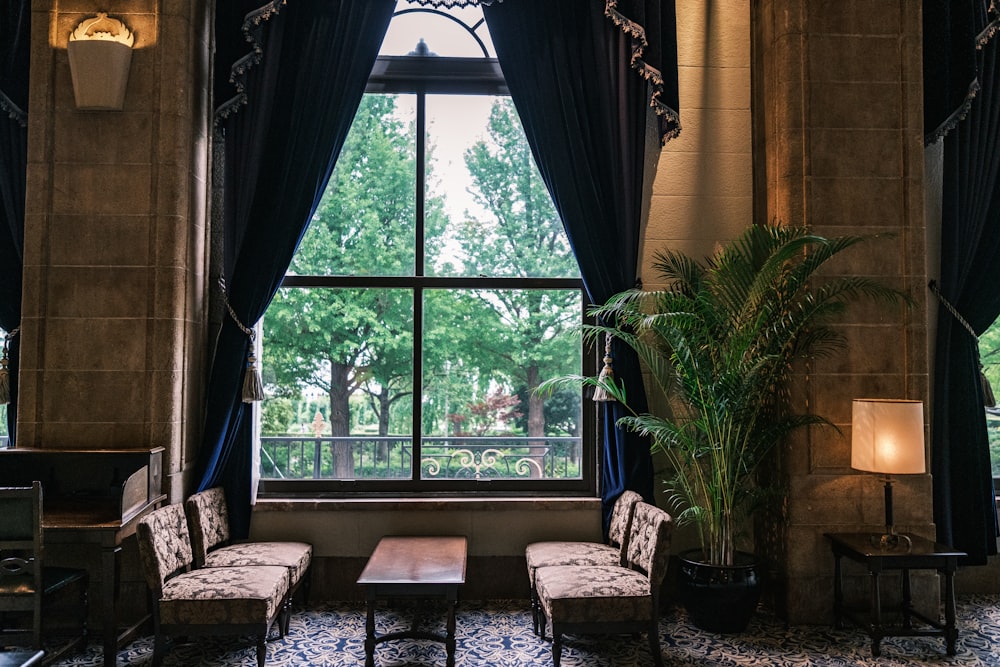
(887, 436)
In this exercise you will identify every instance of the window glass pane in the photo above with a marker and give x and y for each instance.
(364, 224)
(484, 353)
(337, 363)
(989, 357)
(501, 220)
(452, 32)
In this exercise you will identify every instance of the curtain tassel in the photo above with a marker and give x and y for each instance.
(601, 394)
(4, 380)
(4, 364)
(253, 388)
(990, 400)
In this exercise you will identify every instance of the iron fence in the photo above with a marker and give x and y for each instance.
(391, 457)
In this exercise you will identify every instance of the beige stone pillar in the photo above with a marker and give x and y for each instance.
(113, 326)
(838, 146)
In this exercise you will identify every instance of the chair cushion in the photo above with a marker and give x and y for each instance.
(649, 543)
(295, 556)
(545, 554)
(621, 517)
(209, 519)
(164, 544)
(571, 594)
(225, 595)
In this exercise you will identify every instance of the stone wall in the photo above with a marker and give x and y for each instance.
(838, 136)
(113, 336)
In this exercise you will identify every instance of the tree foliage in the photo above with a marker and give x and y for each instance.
(480, 347)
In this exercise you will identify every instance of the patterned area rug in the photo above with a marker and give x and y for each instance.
(498, 634)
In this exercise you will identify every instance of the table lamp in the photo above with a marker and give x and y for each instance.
(887, 437)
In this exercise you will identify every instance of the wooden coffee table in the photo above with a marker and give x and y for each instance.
(414, 567)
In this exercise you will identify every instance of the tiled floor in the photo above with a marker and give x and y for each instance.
(498, 634)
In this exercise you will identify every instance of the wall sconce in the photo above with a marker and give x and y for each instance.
(100, 53)
(887, 436)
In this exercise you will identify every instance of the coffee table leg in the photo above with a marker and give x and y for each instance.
(449, 642)
(370, 634)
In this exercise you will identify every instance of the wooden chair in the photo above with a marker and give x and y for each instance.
(545, 554)
(236, 600)
(28, 587)
(208, 521)
(611, 599)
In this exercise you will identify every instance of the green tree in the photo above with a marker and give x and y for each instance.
(989, 354)
(351, 339)
(989, 357)
(523, 236)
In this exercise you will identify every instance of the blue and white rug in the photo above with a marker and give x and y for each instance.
(498, 634)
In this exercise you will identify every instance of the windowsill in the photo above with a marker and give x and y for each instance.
(426, 504)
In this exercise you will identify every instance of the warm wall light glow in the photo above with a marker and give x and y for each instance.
(887, 436)
(105, 28)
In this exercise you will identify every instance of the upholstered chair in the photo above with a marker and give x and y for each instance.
(208, 521)
(234, 600)
(543, 554)
(610, 599)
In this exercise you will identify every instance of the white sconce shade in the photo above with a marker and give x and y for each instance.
(100, 54)
(887, 436)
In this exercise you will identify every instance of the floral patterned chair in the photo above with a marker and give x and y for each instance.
(208, 601)
(611, 599)
(544, 554)
(208, 521)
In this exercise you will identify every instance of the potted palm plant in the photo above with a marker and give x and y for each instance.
(720, 343)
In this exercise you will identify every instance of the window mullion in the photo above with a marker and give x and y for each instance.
(418, 293)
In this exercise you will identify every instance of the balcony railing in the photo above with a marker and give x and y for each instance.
(391, 457)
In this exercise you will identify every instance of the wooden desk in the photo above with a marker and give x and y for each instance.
(418, 567)
(912, 553)
(92, 497)
(82, 523)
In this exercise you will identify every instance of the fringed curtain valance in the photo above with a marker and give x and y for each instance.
(653, 45)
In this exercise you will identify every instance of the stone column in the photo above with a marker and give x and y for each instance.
(838, 146)
(113, 326)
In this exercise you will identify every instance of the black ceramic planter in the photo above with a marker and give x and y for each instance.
(719, 598)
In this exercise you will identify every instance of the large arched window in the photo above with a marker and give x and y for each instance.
(434, 290)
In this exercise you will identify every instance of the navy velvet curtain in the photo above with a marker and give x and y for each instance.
(578, 78)
(296, 94)
(15, 26)
(963, 105)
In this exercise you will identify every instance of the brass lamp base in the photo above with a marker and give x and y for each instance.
(891, 541)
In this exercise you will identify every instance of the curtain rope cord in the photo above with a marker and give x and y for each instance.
(951, 309)
(253, 386)
(989, 398)
(4, 363)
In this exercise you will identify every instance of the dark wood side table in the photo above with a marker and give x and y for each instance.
(416, 567)
(911, 553)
